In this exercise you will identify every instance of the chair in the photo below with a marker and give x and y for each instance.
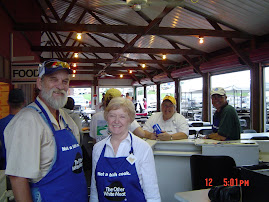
(208, 171)
(192, 132)
(249, 131)
(205, 131)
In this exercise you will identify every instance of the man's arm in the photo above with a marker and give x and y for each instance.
(21, 189)
(216, 136)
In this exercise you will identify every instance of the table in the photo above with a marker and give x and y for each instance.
(172, 160)
(193, 196)
(248, 136)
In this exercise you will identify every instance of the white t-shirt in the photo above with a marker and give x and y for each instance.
(145, 165)
(177, 123)
(30, 144)
(99, 127)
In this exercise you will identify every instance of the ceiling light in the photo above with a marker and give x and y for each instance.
(130, 71)
(76, 55)
(164, 56)
(121, 76)
(74, 71)
(73, 75)
(79, 36)
(201, 39)
(74, 64)
(143, 65)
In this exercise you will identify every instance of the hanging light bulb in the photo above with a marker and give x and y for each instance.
(79, 36)
(74, 71)
(74, 64)
(143, 65)
(201, 39)
(130, 71)
(73, 75)
(164, 56)
(76, 55)
(121, 76)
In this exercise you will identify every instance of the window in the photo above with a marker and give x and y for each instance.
(191, 98)
(167, 89)
(82, 97)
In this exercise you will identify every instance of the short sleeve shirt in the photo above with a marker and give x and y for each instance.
(177, 123)
(30, 143)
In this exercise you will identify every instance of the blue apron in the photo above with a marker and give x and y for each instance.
(117, 180)
(65, 180)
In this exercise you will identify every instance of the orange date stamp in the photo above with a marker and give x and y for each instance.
(228, 182)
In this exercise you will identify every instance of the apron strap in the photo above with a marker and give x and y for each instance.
(46, 116)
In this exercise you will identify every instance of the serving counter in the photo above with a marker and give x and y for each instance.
(172, 159)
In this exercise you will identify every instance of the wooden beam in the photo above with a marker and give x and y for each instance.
(116, 50)
(128, 29)
(139, 61)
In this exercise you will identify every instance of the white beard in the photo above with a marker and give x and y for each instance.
(50, 100)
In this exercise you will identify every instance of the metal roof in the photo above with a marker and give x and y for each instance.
(123, 38)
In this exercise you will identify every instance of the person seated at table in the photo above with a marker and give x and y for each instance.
(173, 125)
(123, 164)
(226, 125)
(98, 124)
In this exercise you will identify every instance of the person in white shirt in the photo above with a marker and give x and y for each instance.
(123, 164)
(173, 125)
(98, 124)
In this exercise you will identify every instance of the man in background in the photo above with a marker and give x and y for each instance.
(226, 125)
(16, 102)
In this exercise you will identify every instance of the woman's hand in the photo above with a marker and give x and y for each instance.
(164, 136)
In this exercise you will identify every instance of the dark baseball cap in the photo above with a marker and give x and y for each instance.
(16, 96)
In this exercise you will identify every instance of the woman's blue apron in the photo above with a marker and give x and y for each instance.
(117, 179)
(65, 180)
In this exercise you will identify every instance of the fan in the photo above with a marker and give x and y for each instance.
(103, 74)
(137, 5)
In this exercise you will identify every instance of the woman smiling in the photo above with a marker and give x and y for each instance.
(123, 164)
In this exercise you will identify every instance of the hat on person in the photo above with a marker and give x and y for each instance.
(218, 91)
(111, 93)
(16, 96)
(171, 99)
(53, 65)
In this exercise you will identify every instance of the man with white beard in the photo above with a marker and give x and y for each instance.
(44, 159)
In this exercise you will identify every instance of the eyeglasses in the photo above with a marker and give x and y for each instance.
(55, 64)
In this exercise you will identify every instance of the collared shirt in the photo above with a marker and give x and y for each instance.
(177, 123)
(30, 144)
(144, 164)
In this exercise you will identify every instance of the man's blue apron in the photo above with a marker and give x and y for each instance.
(65, 180)
(117, 180)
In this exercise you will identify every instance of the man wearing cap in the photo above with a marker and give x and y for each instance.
(16, 102)
(226, 125)
(98, 124)
(173, 125)
(44, 159)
